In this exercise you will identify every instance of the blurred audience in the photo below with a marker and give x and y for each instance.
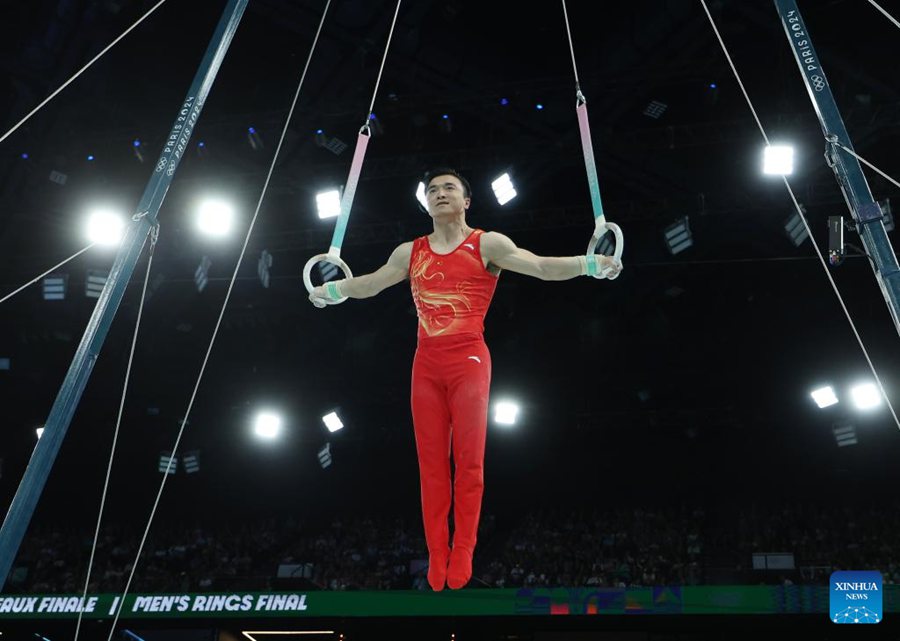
(590, 547)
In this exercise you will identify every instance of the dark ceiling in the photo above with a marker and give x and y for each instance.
(687, 368)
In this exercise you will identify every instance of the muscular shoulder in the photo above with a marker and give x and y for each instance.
(495, 245)
(401, 255)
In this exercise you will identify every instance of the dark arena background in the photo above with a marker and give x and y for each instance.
(667, 472)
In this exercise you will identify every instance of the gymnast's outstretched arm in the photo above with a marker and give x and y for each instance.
(392, 272)
(503, 252)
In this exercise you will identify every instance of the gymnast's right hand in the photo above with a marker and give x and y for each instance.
(327, 293)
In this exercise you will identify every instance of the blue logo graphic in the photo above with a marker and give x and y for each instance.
(855, 597)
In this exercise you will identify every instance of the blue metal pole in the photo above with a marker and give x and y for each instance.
(866, 212)
(22, 507)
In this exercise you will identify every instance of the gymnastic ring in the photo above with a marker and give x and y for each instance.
(599, 231)
(328, 258)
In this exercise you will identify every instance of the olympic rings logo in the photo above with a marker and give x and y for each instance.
(818, 82)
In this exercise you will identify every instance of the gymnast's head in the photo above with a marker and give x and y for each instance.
(447, 192)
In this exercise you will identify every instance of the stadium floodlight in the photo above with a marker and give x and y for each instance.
(55, 287)
(215, 218)
(605, 247)
(678, 236)
(795, 228)
(201, 274)
(40, 432)
(94, 283)
(505, 413)
(256, 143)
(420, 195)
(168, 463)
(327, 270)
(329, 203)
(324, 456)
(105, 227)
(332, 422)
(778, 160)
(824, 396)
(335, 145)
(866, 396)
(267, 425)
(504, 189)
(191, 462)
(844, 434)
(655, 109)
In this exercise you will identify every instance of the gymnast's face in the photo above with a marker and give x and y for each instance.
(446, 196)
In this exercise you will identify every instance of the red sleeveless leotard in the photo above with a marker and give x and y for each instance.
(452, 291)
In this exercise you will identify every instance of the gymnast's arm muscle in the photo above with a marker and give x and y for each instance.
(392, 272)
(503, 252)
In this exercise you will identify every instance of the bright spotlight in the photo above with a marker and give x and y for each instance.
(215, 218)
(503, 189)
(40, 432)
(329, 203)
(824, 396)
(105, 227)
(866, 396)
(778, 160)
(332, 422)
(505, 413)
(267, 425)
(420, 195)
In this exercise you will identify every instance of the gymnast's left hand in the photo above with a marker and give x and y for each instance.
(613, 265)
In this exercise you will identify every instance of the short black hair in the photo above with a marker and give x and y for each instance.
(431, 174)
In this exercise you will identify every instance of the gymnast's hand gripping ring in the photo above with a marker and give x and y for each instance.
(334, 259)
(600, 229)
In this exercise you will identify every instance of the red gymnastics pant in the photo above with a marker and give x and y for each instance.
(451, 379)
